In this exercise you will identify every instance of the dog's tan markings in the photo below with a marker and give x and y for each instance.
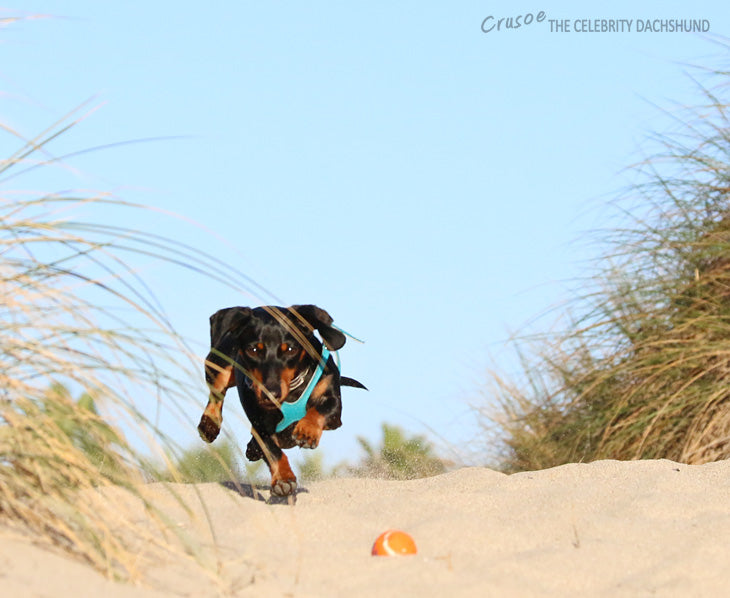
(287, 375)
(214, 410)
(258, 380)
(223, 380)
(308, 430)
(321, 387)
(212, 419)
(210, 424)
(283, 480)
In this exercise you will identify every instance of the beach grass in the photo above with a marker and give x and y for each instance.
(639, 367)
(89, 360)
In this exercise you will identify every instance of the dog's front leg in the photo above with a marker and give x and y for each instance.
(283, 480)
(308, 430)
(219, 378)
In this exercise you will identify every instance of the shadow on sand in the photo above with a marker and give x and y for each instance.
(262, 492)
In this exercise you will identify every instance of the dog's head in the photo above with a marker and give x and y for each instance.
(275, 346)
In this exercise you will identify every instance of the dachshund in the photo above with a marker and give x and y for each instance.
(287, 380)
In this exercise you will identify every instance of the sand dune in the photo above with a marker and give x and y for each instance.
(602, 529)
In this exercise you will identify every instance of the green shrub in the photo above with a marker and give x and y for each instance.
(399, 457)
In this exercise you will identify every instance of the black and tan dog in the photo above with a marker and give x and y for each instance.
(271, 355)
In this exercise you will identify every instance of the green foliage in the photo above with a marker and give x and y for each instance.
(311, 467)
(219, 462)
(643, 368)
(399, 457)
(80, 422)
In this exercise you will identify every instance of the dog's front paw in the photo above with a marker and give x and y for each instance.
(283, 480)
(307, 434)
(208, 429)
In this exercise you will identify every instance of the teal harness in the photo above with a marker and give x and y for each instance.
(295, 411)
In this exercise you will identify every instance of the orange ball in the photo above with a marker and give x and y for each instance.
(393, 543)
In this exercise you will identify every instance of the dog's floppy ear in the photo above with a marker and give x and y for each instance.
(319, 319)
(229, 320)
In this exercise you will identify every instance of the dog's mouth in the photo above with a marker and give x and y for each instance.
(298, 381)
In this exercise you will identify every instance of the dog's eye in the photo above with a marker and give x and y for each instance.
(288, 349)
(255, 350)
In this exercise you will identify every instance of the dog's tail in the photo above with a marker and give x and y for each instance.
(345, 381)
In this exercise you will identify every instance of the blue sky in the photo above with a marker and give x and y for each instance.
(423, 181)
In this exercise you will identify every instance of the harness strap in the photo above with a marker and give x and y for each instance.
(295, 411)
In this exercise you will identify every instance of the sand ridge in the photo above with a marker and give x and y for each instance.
(607, 528)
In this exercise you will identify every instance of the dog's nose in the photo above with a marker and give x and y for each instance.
(273, 389)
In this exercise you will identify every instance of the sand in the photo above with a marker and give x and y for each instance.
(640, 528)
